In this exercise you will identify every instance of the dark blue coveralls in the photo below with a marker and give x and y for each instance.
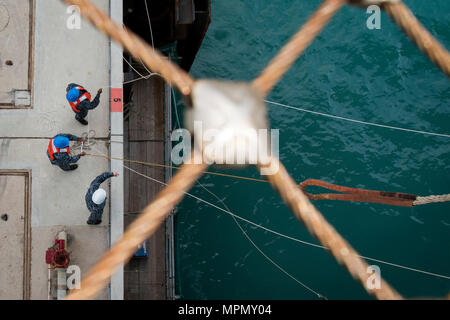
(96, 209)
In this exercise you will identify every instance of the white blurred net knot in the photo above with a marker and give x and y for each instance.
(229, 123)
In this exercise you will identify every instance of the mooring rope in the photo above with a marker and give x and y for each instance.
(357, 121)
(431, 199)
(375, 196)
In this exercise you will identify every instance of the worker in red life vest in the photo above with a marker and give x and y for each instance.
(58, 151)
(80, 101)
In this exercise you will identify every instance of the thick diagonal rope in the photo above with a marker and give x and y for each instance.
(142, 228)
(296, 45)
(406, 20)
(324, 232)
(138, 48)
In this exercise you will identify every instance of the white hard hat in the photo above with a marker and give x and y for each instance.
(99, 196)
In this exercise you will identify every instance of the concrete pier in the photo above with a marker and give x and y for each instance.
(44, 46)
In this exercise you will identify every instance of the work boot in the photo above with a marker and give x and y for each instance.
(82, 121)
(94, 222)
(73, 166)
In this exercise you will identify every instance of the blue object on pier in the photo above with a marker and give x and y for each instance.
(142, 250)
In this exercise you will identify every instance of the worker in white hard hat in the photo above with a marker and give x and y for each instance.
(96, 197)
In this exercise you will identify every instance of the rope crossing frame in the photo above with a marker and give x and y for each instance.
(156, 212)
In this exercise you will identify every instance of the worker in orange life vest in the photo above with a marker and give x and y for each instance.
(80, 101)
(58, 151)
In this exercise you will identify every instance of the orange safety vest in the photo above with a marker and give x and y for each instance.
(85, 95)
(52, 150)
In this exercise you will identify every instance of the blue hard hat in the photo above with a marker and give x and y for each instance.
(61, 142)
(73, 94)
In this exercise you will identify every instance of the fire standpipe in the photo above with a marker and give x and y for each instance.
(58, 259)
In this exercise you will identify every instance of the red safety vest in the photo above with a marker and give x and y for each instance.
(52, 150)
(85, 95)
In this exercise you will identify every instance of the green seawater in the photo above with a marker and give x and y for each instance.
(350, 71)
